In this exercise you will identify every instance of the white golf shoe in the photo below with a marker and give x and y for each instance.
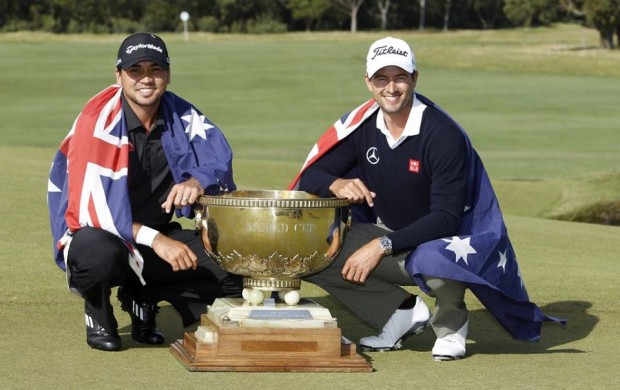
(402, 324)
(451, 346)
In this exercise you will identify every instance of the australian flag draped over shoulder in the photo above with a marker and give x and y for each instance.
(480, 255)
(337, 132)
(88, 179)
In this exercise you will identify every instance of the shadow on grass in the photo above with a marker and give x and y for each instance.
(490, 338)
(168, 322)
(486, 336)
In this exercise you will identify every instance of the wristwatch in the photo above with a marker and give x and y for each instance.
(386, 245)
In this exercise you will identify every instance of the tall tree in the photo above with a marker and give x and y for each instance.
(422, 14)
(384, 8)
(160, 15)
(234, 14)
(604, 15)
(489, 12)
(446, 15)
(526, 12)
(308, 10)
(572, 7)
(352, 7)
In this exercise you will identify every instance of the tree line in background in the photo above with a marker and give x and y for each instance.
(275, 16)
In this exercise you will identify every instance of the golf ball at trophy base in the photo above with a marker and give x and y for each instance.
(256, 297)
(291, 297)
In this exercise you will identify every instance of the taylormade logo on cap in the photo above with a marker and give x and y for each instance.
(389, 52)
(131, 49)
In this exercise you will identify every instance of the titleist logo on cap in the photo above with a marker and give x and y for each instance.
(381, 50)
(131, 49)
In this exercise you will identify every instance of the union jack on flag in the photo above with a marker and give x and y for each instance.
(88, 179)
(480, 255)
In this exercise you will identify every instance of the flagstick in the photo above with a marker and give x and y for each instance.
(185, 17)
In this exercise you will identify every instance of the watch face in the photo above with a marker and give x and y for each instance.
(386, 245)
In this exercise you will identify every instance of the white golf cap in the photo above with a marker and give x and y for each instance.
(389, 52)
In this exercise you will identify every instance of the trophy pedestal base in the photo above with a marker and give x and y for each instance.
(276, 345)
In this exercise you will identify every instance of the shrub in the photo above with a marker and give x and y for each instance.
(604, 212)
(126, 26)
(208, 24)
(265, 24)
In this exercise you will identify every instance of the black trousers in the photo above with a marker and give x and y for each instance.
(97, 261)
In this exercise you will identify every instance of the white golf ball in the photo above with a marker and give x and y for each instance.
(256, 297)
(246, 293)
(291, 297)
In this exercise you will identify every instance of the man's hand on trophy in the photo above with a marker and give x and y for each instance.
(183, 194)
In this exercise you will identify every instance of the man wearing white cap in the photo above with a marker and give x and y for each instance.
(424, 214)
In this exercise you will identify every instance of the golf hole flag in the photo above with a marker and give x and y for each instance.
(88, 179)
(480, 255)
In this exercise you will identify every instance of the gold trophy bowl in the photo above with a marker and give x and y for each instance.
(272, 238)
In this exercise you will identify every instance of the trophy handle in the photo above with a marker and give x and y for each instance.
(198, 219)
(202, 228)
(349, 219)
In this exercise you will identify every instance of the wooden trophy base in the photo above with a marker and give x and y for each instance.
(234, 336)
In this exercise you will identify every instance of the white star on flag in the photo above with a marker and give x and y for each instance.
(196, 125)
(502, 260)
(520, 277)
(51, 187)
(460, 247)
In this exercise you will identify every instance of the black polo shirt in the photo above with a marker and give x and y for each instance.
(150, 179)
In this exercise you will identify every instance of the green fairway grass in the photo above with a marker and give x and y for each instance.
(541, 107)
